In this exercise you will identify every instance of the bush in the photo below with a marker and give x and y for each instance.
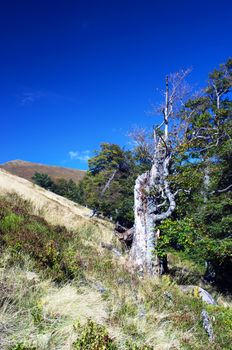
(93, 337)
(10, 222)
(23, 232)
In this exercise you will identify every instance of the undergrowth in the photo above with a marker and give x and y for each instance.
(60, 290)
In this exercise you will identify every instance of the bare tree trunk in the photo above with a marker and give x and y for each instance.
(147, 213)
(144, 237)
(152, 193)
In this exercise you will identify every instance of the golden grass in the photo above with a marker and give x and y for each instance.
(149, 311)
(74, 304)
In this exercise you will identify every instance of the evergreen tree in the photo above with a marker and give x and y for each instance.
(202, 169)
(43, 180)
(108, 185)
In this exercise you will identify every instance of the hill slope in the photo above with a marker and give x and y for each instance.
(58, 285)
(27, 169)
(56, 209)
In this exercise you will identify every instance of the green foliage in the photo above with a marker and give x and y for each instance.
(202, 170)
(10, 223)
(43, 180)
(69, 189)
(222, 324)
(93, 337)
(179, 235)
(184, 235)
(117, 200)
(62, 187)
(140, 311)
(23, 232)
(111, 157)
(37, 315)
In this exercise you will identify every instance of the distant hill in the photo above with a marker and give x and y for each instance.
(27, 169)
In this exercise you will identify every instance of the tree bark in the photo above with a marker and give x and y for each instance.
(144, 237)
(147, 213)
(152, 193)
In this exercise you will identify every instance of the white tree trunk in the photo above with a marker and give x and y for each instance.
(144, 237)
(146, 207)
(152, 193)
(153, 198)
(147, 214)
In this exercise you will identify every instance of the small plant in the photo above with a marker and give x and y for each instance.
(37, 314)
(93, 337)
(10, 222)
(130, 346)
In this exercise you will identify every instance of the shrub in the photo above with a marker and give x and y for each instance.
(10, 222)
(23, 232)
(93, 337)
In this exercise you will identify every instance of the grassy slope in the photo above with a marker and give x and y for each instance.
(52, 207)
(53, 279)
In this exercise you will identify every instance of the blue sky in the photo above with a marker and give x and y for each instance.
(75, 73)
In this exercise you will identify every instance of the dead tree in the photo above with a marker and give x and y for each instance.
(154, 199)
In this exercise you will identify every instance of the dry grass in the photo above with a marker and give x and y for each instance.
(74, 304)
(35, 311)
(149, 311)
(56, 209)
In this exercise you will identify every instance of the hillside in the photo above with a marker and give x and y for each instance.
(27, 169)
(55, 209)
(60, 289)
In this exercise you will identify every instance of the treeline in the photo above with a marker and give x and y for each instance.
(108, 185)
(65, 188)
(201, 174)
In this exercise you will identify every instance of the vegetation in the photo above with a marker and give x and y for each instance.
(118, 169)
(200, 175)
(203, 170)
(43, 180)
(94, 336)
(91, 299)
(113, 201)
(65, 188)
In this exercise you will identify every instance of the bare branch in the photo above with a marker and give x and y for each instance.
(224, 189)
(107, 185)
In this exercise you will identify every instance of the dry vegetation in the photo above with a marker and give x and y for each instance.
(60, 290)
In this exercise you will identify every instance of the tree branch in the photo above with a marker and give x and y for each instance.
(224, 189)
(107, 185)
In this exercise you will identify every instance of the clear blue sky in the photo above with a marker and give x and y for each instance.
(75, 73)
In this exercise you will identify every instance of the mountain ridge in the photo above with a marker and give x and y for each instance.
(26, 169)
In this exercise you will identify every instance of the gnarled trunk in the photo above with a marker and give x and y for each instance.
(150, 189)
(152, 194)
